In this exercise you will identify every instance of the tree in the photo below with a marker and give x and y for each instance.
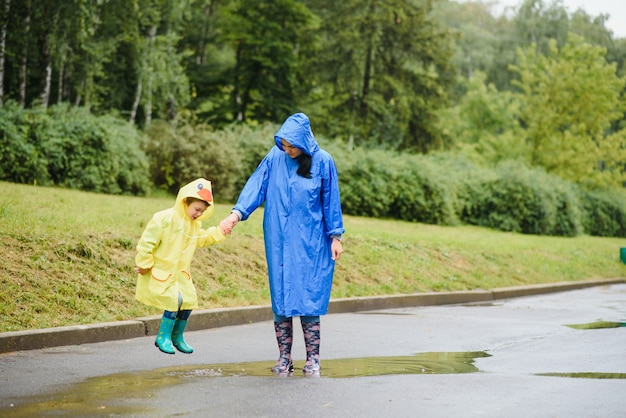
(485, 124)
(383, 72)
(568, 99)
(267, 38)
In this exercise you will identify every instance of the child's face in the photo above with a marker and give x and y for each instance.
(196, 209)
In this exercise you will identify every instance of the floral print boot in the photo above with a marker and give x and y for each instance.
(311, 332)
(284, 337)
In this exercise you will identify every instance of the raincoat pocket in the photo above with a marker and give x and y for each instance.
(159, 280)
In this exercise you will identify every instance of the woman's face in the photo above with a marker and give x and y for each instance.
(291, 151)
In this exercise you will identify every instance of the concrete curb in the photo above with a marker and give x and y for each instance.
(215, 318)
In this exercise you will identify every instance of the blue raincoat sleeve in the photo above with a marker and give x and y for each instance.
(253, 194)
(331, 205)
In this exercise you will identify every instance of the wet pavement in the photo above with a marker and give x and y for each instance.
(553, 355)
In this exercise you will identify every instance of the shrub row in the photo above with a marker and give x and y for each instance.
(68, 147)
(446, 189)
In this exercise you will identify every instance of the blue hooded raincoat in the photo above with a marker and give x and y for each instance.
(301, 215)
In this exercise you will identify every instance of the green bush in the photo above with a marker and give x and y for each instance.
(21, 158)
(366, 185)
(69, 147)
(604, 213)
(421, 192)
(180, 153)
(529, 201)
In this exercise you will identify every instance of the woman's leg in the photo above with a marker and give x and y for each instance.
(283, 327)
(311, 331)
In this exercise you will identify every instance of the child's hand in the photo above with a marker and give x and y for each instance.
(141, 271)
(226, 227)
(229, 223)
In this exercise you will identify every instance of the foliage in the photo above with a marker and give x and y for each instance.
(565, 117)
(529, 202)
(485, 125)
(181, 153)
(448, 189)
(367, 185)
(605, 213)
(562, 124)
(267, 39)
(380, 74)
(422, 193)
(68, 147)
(60, 266)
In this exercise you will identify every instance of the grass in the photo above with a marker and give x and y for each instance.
(67, 258)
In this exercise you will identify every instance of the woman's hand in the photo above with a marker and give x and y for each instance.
(336, 249)
(141, 271)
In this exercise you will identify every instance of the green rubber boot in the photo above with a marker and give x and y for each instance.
(177, 337)
(164, 337)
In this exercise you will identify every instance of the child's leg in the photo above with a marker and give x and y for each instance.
(179, 327)
(164, 337)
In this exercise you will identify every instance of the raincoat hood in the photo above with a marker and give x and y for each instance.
(297, 131)
(200, 189)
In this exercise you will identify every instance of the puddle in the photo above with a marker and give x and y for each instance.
(387, 313)
(113, 394)
(598, 325)
(587, 375)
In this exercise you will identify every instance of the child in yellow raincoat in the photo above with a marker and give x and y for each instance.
(163, 261)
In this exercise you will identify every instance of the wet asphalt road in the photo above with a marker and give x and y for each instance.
(476, 360)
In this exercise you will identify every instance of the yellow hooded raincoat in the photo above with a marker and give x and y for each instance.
(166, 248)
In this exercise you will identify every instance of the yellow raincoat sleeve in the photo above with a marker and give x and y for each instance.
(210, 236)
(148, 243)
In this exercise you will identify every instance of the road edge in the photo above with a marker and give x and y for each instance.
(222, 317)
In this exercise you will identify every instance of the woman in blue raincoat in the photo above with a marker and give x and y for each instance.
(302, 226)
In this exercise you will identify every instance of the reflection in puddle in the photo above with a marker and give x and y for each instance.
(109, 395)
(587, 375)
(598, 325)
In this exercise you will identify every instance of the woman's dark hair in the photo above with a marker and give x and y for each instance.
(304, 165)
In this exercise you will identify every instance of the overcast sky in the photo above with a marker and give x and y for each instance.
(616, 9)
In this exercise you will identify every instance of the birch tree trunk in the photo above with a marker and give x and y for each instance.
(3, 38)
(60, 83)
(47, 82)
(133, 112)
(150, 83)
(24, 60)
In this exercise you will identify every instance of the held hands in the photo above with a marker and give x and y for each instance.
(229, 223)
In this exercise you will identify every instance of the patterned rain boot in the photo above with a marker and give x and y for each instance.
(284, 337)
(164, 337)
(177, 337)
(311, 331)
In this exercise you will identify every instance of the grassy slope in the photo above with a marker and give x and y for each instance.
(67, 258)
